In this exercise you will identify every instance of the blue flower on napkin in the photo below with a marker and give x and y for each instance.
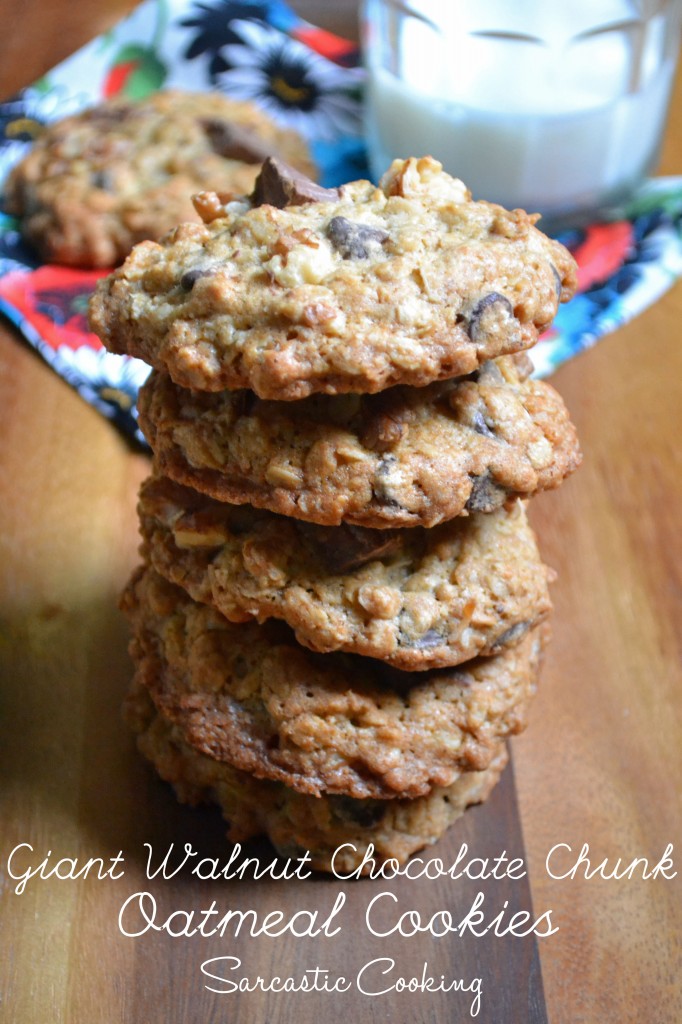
(214, 24)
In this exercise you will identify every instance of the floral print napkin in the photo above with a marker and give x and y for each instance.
(308, 79)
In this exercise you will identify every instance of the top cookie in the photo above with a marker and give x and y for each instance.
(96, 183)
(300, 289)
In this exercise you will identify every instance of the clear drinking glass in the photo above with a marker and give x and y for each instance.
(557, 107)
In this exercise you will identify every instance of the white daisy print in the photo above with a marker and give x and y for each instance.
(297, 87)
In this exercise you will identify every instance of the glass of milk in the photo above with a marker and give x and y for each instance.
(556, 106)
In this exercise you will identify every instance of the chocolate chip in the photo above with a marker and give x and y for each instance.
(488, 373)
(364, 813)
(103, 181)
(280, 185)
(557, 280)
(431, 638)
(345, 548)
(480, 426)
(487, 311)
(188, 279)
(385, 466)
(358, 545)
(235, 142)
(352, 240)
(485, 496)
(510, 636)
(381, 487)
(384, 430)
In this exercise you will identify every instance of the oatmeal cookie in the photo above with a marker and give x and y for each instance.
(295, 822)
(301, 290)
(407, 457)
(416, 599)
(335, 723)
(96, 183)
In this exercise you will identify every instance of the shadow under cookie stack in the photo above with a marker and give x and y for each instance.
(342, 609)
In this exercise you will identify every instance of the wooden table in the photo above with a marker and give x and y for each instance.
(600, 765)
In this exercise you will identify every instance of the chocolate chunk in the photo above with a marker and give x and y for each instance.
(382, 480)
(354, 546)
(364, 813)
(103, 180)
(510, 636)
(488, 373)
(345, 548)
(480, 426)
(487, 312)
(235, 142)
(280, 185)
(386, 428)
(385, 466)
(431, 638)
(485, 496)
(188, 279)
(354, 241)
(557, 280)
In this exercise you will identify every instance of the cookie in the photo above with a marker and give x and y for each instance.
(96, 183)
(416, 599)
(338, 291)
(407, 457)
(295, 822)
(320, 723)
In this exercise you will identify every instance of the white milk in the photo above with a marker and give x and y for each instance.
(567, 119)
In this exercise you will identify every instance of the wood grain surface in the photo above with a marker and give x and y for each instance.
(600, 765)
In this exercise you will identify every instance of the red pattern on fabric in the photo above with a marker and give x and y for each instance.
(69, 289)
(603, 251)
(117, 77)
(330, 46)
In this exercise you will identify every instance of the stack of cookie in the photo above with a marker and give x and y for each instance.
(342, 607)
